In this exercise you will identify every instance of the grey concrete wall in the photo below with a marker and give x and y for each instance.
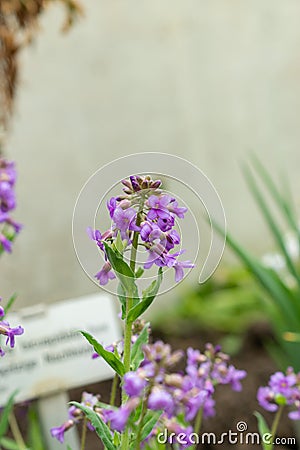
(209, 81)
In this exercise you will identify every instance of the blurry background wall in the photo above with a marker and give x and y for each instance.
(209, 81)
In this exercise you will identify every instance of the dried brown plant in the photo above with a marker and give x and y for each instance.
(18, 25)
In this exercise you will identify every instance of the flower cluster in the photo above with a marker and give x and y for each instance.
(8, 331)
(7, 204)
(283, 389)
(75, 416)
(144, 212)
(175, 395)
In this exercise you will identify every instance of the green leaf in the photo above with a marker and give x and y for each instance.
(271, 222)
(9, 444)
(151, 419)
(69, 448)
(101, 428)
(269, 280)
(119, 243)
(117, 439)
(149, 295)
(10, 303)
(139, 272)
(263, 431)
(6, 413)
(35, 432)
(122, 270)
(122, 298)
(284, 205)
(109, 357)
(137, 354)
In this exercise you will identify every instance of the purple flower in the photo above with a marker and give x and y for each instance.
(234, 377)
(89, 400)
(283, 389)
(209, 407)
(266, 399)
(173, 239)
(111, 206)
(96, 236)
(7, 203)
(283, 384)
(294, 415)
(118, 417)
(6, 243)
(135, 183)
(105, 274)
(160, 399)
(175, 209)
(166, 223)
(125, 221)
(158, 206)
(193, 356)
(133, 384)
(194, 403)
(150, 232)
(59, 432)
(179, 266)
(11, 333)
(155, 256)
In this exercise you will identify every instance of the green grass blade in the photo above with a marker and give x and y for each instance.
(269, 281)
(4, 423)
(108, 356)
(271, 223)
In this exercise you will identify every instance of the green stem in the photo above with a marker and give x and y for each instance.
(276, 422)
(128, 328)
(197, 425)
(16, 432)
(83, 435)
(143, 413)
(113, 392)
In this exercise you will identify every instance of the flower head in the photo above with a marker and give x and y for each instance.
(7, 204)
(282, 389)
(59, 432)
(105, 274)
(150, 215)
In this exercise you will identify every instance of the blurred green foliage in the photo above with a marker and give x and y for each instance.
(227, 303)
(279, 277)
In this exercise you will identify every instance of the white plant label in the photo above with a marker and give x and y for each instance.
(52, 355)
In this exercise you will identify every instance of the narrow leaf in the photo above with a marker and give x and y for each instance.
(10, 303)
(139, 272)
(263, 431)
(268, 279)
(122, 298)
(5, 414)
(122, 270)
(285, 206)
(35, 433)
(148, 296)
(150, 421)
(8, 444)
(137, 354)
(109, 357)
(101, 428)
(271, 222)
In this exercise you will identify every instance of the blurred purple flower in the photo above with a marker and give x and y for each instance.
(134, 384)
(160, 399)
(105, 274)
